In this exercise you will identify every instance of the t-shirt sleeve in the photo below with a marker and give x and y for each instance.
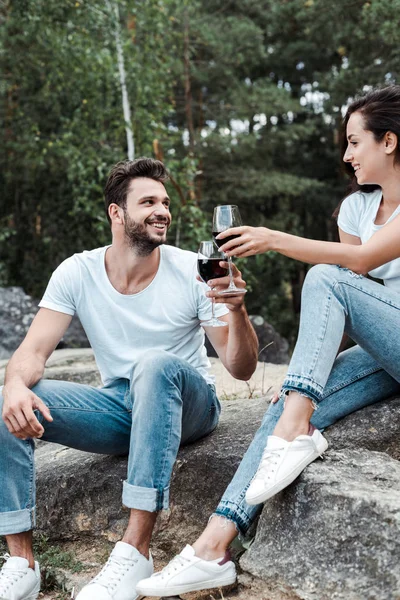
(349, 215)
(62, 292)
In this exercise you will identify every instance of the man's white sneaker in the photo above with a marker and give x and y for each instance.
(188, 573)
(17, 580)
(118, 578)
(282, 462)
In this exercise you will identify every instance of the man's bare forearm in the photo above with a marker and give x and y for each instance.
(24, 369)
(242, 346)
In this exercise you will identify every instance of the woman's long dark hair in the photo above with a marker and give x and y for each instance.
(380, 109)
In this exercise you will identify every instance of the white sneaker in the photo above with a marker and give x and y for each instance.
(17, 580)
(282, 462)
(118, 578)
(188, 573)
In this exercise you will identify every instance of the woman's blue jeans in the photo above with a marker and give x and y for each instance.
(167, 403)
(334, 301)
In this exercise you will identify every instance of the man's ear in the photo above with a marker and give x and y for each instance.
(391, 142)
(116, 213)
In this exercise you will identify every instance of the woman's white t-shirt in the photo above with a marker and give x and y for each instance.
(357, 217)
(165, 315)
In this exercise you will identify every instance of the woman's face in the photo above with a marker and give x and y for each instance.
(368, 157)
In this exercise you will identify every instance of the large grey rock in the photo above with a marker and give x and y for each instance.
(80, 493)
(335, 533)
(324, 521)
(273, 347)
(376, 427)
(17, 310)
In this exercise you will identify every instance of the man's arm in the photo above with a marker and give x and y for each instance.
(237, 344)
(25, 369)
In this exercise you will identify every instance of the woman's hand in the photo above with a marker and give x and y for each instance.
(250, 241)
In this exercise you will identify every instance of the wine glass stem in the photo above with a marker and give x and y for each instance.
(212, 309)
(231, 282)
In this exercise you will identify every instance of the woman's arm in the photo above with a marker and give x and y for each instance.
(381, 248)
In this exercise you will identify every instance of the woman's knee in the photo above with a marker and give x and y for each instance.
(320, 275)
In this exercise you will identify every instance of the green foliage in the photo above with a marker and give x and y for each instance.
(243, 101)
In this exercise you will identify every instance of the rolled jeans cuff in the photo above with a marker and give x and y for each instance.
(143, 498)
(235, 514)
(303, 386)
(17, 521)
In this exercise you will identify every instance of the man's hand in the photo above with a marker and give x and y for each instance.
(19, 404)
(233, 302)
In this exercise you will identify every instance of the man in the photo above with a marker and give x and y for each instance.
(141, 307)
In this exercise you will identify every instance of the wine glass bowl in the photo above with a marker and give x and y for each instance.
(225, 217)
(208, 267)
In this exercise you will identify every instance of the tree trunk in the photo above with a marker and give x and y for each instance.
(113, 9)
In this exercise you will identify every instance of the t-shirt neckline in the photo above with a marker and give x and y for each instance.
(110, 285)
(392, 216)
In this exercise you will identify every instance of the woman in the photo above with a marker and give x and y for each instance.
(337, 299)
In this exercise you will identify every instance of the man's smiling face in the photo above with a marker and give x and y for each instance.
(146, 217)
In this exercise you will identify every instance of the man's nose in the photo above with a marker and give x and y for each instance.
(162, 210)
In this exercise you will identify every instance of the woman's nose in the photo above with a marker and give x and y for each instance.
(347, 157)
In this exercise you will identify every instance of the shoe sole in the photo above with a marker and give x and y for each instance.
(263, 496)
(185, 589)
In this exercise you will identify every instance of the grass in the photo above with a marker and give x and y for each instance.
(52, 560)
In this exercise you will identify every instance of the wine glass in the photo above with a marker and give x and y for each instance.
(208, 267)
(225, 217)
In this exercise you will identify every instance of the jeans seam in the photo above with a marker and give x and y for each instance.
(31, 475)
(352, 380)
(178, 369)
(89, 410)
(324, 327)
(360, 289)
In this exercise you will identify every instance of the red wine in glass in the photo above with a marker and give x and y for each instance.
(225, 217)
(225, 240)
(209, 268)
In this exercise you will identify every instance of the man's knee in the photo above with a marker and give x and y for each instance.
(155, 363)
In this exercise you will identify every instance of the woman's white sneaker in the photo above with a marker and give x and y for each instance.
(118, 578)
(17, 580)
(282, 462)
(188, 573)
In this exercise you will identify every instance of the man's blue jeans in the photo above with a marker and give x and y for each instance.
(166, 404)
(334, 301)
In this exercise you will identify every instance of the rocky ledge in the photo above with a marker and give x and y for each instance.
(333, 534)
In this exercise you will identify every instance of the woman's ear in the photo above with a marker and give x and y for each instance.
(391, 142)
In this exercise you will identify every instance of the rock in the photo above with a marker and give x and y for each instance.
(17, 310)
(80, 493)
(273, 347)
(335, 533)
(376, 427)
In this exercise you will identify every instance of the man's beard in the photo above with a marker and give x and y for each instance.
(138, 238)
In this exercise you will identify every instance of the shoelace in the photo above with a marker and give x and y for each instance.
(113, 571)
(174, 565)
(268, 460)
(8, 577)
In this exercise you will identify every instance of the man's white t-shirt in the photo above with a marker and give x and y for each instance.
(357, 217)
(165, 315)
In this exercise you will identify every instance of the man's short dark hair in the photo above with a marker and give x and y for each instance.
(121, 175)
